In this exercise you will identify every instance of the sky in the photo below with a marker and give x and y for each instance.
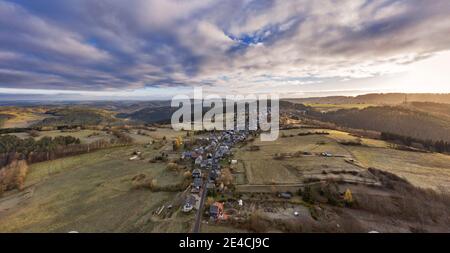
(155, 49)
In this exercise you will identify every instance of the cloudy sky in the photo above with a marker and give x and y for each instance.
(153, 49)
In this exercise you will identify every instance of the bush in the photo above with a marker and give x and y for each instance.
(13, 175)
(307, 195)
(141, 181)
(34, 133)
(172, 166)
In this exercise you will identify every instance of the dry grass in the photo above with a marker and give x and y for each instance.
(142, 181)
(430, 171)
(260, 223)
(408, 202)
(175, 167)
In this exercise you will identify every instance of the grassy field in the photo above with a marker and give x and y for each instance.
(261, 168)
(425, 170)
(93, 193)
(89, 136)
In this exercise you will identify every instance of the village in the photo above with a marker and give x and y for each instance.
(207, 160)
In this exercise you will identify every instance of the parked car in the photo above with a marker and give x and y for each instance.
(285, 195)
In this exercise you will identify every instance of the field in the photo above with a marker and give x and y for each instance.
(21, 117)
(261, 167)
(426, 170)
(92, 193)
(89, 136)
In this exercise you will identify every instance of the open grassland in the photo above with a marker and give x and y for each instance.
(261, 168)
(168, 132)
(344, 136)
(426, 170)
(93, 193)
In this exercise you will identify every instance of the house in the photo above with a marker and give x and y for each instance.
(196, 173)
(197, 185)
(186, 155)
(198, 160)
(203, 164)
(187, 208)
(189, 203)
(216, 211)
(214, 175)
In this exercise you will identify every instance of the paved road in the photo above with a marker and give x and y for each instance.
(198, 218)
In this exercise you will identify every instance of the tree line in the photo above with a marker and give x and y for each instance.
(440, 146)
(397, 120)
(47, 148)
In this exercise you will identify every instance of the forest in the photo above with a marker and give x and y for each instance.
(392, 119)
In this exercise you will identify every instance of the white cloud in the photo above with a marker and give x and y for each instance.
(224, 45)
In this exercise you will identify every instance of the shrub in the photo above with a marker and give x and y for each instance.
(34, 133)
(307, 195)
(13, 175)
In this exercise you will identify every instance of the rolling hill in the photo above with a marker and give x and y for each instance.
(402, 120)
(378, 99)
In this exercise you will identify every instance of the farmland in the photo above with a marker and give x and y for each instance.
(92, 193)
(21, 117)
(262, 168)
(426, 170)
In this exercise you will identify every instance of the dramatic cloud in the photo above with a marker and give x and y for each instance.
(225, 46)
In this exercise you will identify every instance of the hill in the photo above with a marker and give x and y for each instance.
(150, 114)
(407, 121)
(77, 116)
(378, 99)
(438, 109)
(17, 117)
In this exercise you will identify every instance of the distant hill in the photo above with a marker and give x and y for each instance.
(423, 123)
(437, 109)
(77, 116)
(378, 99)
(4, 118)
(150, 114)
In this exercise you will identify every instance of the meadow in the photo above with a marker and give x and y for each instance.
(93, 193)
(425, 170)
